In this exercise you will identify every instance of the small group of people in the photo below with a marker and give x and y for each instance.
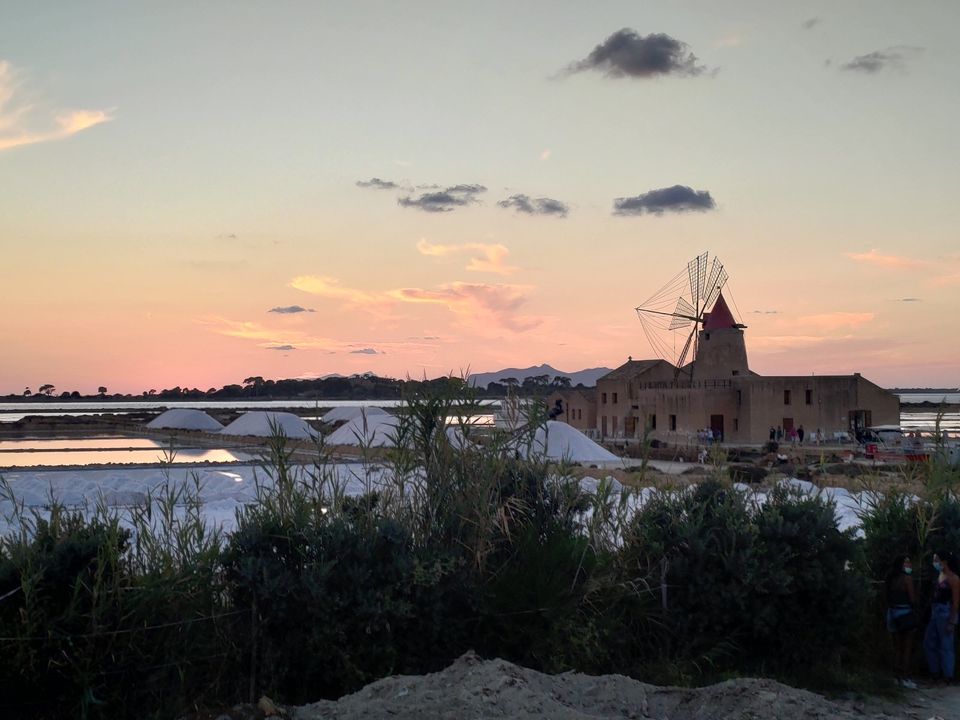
(708, 436)
(904, 619)
(795, 435)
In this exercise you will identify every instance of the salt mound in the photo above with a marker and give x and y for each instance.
(378, 431)
(259, 424)
(381, 431)
(475, 688)
(559, 441)
(346, 414)
(184, 419)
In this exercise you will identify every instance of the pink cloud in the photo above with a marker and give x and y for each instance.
(836, 320)
(496, 304)
(481, 301)
(887, 261)
(487, 258)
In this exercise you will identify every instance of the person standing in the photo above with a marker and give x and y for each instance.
(773, 433)
(902, 617)
(939, 640)
(779, 433)
(800, 434)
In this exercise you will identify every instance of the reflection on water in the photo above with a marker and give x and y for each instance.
(103, 443)
(928, 421)
(62, 457)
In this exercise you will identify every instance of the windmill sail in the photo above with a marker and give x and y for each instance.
(681, 303)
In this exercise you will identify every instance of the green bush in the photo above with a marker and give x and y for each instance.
(744, 588)
(804, 593)
(749, 474)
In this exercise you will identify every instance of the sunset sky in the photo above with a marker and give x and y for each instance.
(194, 193)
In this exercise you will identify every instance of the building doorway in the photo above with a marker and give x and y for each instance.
(716, 425)
(787, 427)
(860, 420)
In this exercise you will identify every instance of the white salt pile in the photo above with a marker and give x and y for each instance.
(346, 414)
(262, 424)
(381, 431)
(369, 430)
(184, 419)
(559, 441)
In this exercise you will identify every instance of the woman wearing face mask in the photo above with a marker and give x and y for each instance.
(939, 639)
(902, 618)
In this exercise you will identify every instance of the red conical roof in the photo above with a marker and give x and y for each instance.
(720, 318)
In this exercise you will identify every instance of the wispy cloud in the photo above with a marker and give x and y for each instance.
(835, 320)
(331, 288)
(783, 342)
(483, 305)
(267, 337)
(674, 199)
(290, 310)
(535, 206)
(874, 257)
(765, 312)
(445, 200)
(486, 258)
(810, 23)
(479, 301)
(874, 62)
(627, 54)
(909, 300)
(365, 351)
(24, 123)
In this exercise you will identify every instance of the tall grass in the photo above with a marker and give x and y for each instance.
(457, 540)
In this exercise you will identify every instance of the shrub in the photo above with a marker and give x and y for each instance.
(803, 595)
(743, 587)
(750, 474)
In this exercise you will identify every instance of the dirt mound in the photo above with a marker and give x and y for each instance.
(474, 688)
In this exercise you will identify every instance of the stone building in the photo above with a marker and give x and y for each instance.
(717, 390)
(578, 407)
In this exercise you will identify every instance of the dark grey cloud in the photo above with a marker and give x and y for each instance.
(364, 351)
(377, 184)
(811, 23)
(626, 53)
(444, 200)
(675, 199)
(535, 206)
(910, 299)
(290, 310)
(281, 347)
(879, 60)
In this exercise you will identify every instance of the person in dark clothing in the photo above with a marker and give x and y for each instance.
(800, 434)
(773, 433)
(902, 617)
(557, 410)
(939, 639)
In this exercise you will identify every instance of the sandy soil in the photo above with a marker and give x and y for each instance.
(472, 688)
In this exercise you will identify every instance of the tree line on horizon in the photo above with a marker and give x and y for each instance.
(366, 386)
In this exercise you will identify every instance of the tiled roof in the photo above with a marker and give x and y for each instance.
(633, 368)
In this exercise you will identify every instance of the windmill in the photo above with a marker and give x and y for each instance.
(681, 303)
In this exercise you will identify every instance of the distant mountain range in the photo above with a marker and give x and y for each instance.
(587, 377)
